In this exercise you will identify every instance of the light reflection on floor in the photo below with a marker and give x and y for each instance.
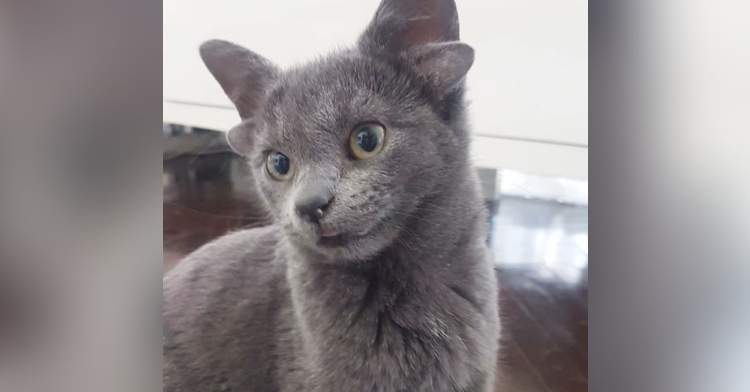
(549, 238)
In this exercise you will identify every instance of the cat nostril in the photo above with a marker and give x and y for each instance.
(313, 208)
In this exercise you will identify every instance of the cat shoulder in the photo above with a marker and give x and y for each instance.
(237, 262)
(218, 303)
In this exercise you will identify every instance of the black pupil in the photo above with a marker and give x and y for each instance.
(367, 140)
(280, 163)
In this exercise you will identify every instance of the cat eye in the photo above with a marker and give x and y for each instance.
(366, 140)
(279, 166)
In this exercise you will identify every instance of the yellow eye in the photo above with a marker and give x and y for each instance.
(279, 166)
(366, 140)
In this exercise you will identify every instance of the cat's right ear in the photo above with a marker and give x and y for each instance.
(244, 76)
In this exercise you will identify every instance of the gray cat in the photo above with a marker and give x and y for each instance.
(375, 274)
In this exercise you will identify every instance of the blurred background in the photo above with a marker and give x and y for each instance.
(528, 92)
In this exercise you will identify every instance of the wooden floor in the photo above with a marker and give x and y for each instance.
(540, 248)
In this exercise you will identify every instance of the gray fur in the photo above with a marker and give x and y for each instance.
(411, 304)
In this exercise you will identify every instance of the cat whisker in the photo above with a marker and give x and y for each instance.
(416, 217)
(437, 207)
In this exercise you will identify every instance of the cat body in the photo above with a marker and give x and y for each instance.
(375, 274)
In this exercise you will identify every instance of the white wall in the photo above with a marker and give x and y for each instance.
(530, 78)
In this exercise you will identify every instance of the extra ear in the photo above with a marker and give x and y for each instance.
(244, 75)
(443, 66)
(240, 138)
(399, 25)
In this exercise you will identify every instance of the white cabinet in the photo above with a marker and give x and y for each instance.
(528, 88)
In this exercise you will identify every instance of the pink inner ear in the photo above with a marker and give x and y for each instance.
(399, 25)
(429, 21)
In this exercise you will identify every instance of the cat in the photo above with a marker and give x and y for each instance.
(374, 274)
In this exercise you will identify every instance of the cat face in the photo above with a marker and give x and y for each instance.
(342, 159)
(346, 147)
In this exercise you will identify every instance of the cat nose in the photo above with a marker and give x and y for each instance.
(312, 206)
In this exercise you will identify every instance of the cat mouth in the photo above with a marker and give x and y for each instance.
(330, 238)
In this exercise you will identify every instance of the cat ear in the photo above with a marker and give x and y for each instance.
(443, 65)
(244, 75)
(240, 137)
(399, 25)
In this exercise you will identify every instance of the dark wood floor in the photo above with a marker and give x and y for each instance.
(540, 249)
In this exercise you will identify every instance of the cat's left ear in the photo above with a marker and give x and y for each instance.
(424, 34)
(399, 25)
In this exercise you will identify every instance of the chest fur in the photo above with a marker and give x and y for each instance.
(364, 329)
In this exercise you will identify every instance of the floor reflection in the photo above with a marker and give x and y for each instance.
(548, 238)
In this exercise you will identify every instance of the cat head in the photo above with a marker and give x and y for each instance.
(346, 147)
